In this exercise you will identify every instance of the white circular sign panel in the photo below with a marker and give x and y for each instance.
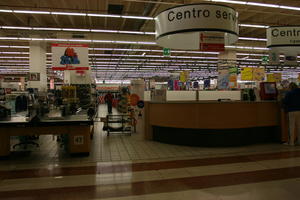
(179, 27)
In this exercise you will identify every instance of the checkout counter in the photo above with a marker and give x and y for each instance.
(77, 127)
(75, 124)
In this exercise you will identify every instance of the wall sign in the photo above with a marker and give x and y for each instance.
(180, 27)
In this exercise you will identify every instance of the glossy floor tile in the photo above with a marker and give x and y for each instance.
(128, 167)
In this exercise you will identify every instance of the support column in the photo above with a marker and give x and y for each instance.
(38, 70)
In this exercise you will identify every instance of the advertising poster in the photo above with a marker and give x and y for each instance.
(184, 76)
(233, 77)
(70, 57)
(277, 77)
(233, 81)
(274, 77)
(223, 79)
(34, 77)
(247, 74)
(270, 77)
(258, 74)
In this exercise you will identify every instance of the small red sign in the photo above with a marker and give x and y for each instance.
(69, 68)
(212, 47)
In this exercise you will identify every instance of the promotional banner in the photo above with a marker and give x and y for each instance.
(233, 81)
(258, 74)
(270, 77)
(247, 74)
(223, 79)
(70, 57)
(233, 77)
(274, 77)
(277, 77)
(184, 76)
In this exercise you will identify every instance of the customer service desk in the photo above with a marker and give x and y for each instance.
(77, 127)
(212, 123)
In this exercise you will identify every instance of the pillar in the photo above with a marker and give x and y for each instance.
(37, 70)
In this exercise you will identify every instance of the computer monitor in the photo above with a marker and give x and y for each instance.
(268, 91)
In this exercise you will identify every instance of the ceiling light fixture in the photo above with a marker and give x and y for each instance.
(267, 5)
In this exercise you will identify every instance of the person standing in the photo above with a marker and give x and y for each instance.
(291, 103)
(109, 99)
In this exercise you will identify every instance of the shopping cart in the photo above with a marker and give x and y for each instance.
(119, 124)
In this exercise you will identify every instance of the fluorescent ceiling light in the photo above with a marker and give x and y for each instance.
(253, 39)
(104, 31)
(76, 29)
(137, 17)
(263, 4)
(253, 25)
(230, 1)
(68, 13)
(46, 29)
(6, 11)
(131, 32)
(290, 7)
(31, 12)
(125, 42)
(103, 15)
(78, 40)
(16, 27)
(267, 5)
(150, 33)
(147, 43)
(55, 39)
(103, 41)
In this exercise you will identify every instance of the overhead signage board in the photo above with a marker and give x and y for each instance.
(70, 57)
(279, 36)
(179, 27)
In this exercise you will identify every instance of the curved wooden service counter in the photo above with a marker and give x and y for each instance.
(212, 123)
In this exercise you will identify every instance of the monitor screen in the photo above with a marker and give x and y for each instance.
(270, 88)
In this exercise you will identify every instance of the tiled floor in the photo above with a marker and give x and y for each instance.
(128, 167)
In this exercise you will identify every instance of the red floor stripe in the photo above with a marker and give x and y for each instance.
(134, 167)
(151, 187)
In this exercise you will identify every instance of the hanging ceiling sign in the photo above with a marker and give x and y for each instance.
(70, 57)
(284, 40)
(283, 36)
(180, 27)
